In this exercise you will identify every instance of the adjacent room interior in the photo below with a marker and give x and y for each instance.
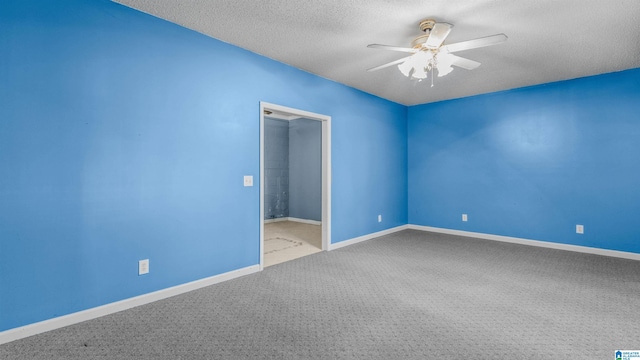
(292, 175)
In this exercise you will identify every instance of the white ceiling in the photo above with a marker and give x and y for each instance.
(549, 40)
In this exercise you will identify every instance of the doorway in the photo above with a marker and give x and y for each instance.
(287, 231)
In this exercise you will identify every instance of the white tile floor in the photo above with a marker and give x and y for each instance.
(288, 240)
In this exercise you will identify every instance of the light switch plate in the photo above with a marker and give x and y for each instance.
(579, 229)
(143, 267)
(464, 217)
(248, 180)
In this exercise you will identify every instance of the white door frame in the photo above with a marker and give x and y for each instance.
(326, 171)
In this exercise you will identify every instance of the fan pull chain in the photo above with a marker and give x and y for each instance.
(432, 76)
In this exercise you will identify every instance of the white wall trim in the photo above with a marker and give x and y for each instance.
(96, 312)
(367, 237)
(546, 244)
(275, 220)
(304, 221)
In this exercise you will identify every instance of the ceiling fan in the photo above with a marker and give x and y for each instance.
(429, 53)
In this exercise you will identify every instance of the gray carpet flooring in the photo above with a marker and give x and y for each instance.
(409, 295)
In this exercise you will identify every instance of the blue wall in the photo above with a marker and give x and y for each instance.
(305, 169)
(533, 162)
(371, 168)
(276, 168)
(125, 137)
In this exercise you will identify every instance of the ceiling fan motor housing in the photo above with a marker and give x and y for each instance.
(425, 26)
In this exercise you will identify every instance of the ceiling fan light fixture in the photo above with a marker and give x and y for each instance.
(444, 70)
(407, 67)
(443, 63)
(422, 59)
(418, 65)
(419, 73)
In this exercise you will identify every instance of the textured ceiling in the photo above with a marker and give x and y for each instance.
(549, 40)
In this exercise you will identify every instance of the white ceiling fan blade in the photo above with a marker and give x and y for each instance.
(463, 62)
(390, 64)
(392, 48)
(439, 32)
(476, 43)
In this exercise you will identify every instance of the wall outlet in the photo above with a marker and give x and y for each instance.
(579, 229)
(379, 218)
(464, 217)
(248, 180)
(143, 267)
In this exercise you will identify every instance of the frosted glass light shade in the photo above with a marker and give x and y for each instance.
(419, 73)
(407, 66)
(444, 62)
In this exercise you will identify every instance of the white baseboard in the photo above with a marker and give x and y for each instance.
(304, 221)
(546, 244)
(66, 320)
(367, 237)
